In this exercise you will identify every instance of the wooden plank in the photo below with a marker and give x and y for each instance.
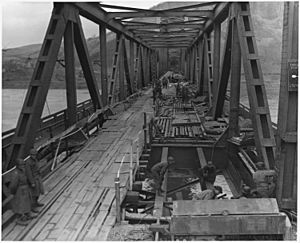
(7, 230)
(96, 226)
(12, 236)
(110, 220)
(30, 236)
(103, 234)
(86, 201)
(201, 157)
(108, 200)
(81, 227)
(217, 207)
(228, 225)
(46, 230)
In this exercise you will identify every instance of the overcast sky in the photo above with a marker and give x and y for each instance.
(25, 23)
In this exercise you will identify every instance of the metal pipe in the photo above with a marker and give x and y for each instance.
(118, 203)
(145, 130)
(131, 166)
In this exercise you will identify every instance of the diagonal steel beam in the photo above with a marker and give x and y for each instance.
(86, 64)
(95, 13)
(220, 14)
(29, 119)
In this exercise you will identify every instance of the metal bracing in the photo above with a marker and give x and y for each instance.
(209, 71)
(224, 74)
(235, 83)
(192, 64)
(115, 67)
(216, 58)
(63, 15)
(286, 153)
(220, 14)
(200, 66)
(120, 64)
(162, 13)
(103, 62)
(95, 13)
(131, 63)
(31, 112)
(263, 131)
(70, 74)
(197, 60)
(141, 80)
(127, 70)
(86, 64)
(136, 67)
(206, 68)
(153, 66)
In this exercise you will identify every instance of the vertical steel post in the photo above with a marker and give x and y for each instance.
(286, 154)
(70, 74)
(145, 130)
(131, 62)
(131, 165)
(200, 71)
(122, 91)
(118, 199)
(216, 59)
(103, 63)
(235, 79)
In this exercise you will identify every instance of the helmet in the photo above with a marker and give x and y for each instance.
(246, 189)
(171, 159)
(33, 151)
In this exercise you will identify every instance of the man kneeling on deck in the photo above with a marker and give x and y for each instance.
(158, 171)
(209, 194)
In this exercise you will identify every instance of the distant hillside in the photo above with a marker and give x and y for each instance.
(18, 63)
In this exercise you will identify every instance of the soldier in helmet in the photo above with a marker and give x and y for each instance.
(34, 177)
(19, 188)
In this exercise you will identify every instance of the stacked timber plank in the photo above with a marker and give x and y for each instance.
(79, 198)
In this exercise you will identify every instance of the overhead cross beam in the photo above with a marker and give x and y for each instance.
(95, 13)
(162, 13)
(181, 31)
(168, 39)
(198, 5)
(168, 26)
(195, 21)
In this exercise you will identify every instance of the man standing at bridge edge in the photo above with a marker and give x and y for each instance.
(34, 177)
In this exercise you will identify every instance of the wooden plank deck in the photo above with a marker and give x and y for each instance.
(80, 197)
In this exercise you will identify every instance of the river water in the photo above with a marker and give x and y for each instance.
(12, 100)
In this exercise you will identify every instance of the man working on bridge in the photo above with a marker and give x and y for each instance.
(207, 176)
(158, 171)
(209, 194)
(34, 177)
